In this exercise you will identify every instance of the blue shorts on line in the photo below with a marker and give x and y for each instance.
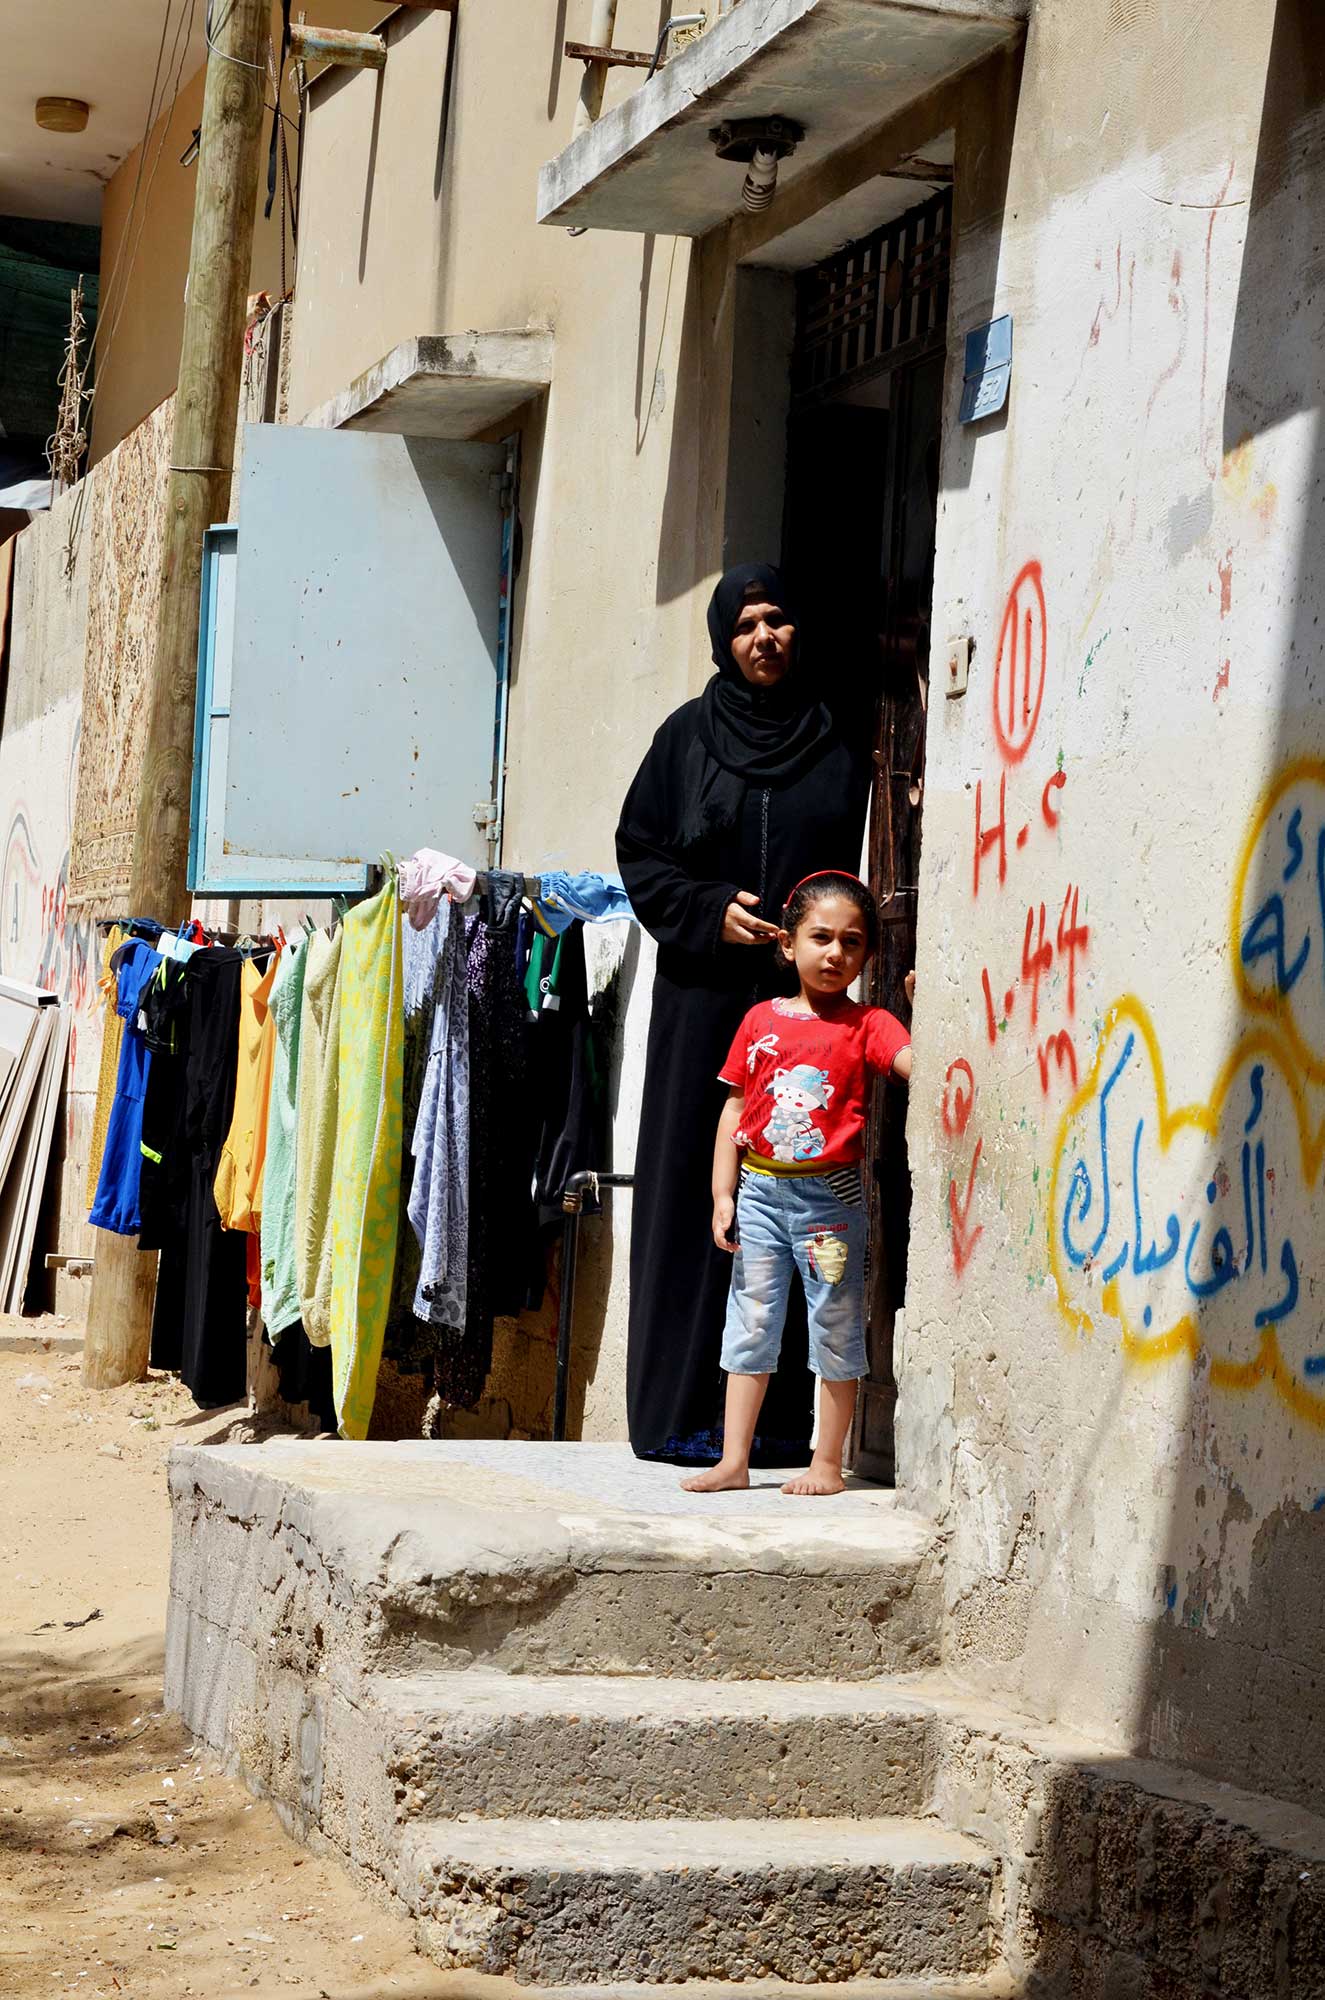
(817, 1224)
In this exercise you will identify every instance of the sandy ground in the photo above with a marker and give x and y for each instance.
(128, 1864)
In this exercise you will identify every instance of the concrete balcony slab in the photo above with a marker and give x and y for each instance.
(443, 385)
(839, 68)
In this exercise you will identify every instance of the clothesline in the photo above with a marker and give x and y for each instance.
(362, 1133)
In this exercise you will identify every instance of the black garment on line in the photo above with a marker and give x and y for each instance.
(162, 1203)
(680, 889)
(201, 1322)
(305, 1373)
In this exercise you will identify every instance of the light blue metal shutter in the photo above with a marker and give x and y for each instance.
(368, 664)
(213, 870)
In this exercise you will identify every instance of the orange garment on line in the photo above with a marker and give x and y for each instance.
(244, 1154)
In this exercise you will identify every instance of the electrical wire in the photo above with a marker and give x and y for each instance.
(225, 54)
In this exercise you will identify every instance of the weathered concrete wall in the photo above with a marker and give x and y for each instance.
(616, 552)
(1112, 1372)
(143, 268)
(41, 940)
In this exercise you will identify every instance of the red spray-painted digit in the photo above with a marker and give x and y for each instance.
(958, 1097)
(1019, 667)
(1035, 964)
(1072, 938)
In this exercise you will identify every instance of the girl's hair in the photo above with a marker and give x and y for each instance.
(829, 882)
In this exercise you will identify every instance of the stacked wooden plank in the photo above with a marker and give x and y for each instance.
(34, 1044)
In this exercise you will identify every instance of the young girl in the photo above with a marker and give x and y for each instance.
(787, 1170)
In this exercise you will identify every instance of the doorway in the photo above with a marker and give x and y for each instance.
(859, 533)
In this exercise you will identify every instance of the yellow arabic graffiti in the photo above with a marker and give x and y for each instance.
(1136, 1183)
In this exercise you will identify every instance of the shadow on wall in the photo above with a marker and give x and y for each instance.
(1214, 1268)
(1235, 1681)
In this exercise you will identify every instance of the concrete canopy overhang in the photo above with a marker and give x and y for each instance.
(840, 68)
(443, 385)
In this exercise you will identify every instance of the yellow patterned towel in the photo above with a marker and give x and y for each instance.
(365, 1197)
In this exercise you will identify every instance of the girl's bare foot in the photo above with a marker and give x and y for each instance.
(720, 1478)
(820, 1479)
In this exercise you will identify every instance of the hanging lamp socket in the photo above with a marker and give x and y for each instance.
(759, 143)
(62, 114)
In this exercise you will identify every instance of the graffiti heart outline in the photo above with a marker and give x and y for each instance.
(1272, 1004)
(1184, 1335)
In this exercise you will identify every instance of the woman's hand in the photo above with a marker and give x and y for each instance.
(909, 983)
(741, 926)
(724, 1222)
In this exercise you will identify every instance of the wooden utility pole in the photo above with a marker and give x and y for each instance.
(201, 462)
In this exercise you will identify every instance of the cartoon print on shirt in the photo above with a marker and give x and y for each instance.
(767, 1045)
(791, 1130)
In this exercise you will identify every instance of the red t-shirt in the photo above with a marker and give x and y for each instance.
(806, 1079)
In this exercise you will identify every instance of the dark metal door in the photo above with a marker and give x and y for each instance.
(911, 507)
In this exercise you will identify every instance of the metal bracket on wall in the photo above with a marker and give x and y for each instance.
(611, 58)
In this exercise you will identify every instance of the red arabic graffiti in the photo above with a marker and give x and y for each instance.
(1037, 961)
(1060, 1047)
(964, 1238)
(958, 1097)
(1019, 668)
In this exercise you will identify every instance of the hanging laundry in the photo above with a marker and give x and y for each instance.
(315, 1146)
(408, 1343)
(439, 1196)
(305, 1375)
(280, 1278)
(500, 1156)
(112, 1029)
(594, 899)
(365, 1192)
(244, 1154)
(428, 876)
(204, 1271)
(565, 1071)
(163, 1202)
(500, 897)
(116, 1203)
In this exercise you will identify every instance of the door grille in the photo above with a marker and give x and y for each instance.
(880, 301)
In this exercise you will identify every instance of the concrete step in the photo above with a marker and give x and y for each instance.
(668, 1900)
(554, 1559)
(436, 1985)
(495, 1745)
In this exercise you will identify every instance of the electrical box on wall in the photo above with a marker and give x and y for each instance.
(958, 673)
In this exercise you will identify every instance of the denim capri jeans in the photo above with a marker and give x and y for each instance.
(801, 1221)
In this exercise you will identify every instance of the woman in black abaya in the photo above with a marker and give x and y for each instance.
(744, 791)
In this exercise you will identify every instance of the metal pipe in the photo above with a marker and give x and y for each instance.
(601, 30)
(572, 1205)
(337, 45)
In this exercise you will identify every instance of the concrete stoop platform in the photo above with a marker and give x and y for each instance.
(540, 1558)
(588, 1730)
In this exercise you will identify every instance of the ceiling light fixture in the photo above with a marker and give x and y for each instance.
(62, 114)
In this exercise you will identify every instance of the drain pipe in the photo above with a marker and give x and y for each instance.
(572, 1206)
(601, 31)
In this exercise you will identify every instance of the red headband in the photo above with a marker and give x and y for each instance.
(843, 875)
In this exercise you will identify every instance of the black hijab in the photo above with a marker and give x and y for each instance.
(750, 735)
